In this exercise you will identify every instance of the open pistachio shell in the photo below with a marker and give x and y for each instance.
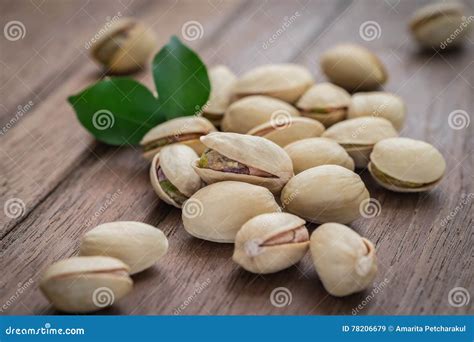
(378, 104)
(184, 130)
(218, 211)
(359, 135)
(288, 130)
(269, 243)
(327, 193)
(406, 165)
(172, 175)
(345, 262)
(251, 111)
(222, 82)
(353, 67)
(440, 25)
(312, 152)
(325, 102)
(286, 82)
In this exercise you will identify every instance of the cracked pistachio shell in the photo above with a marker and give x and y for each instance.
(222, 82)
(406, 165)
(269, 243)
(326, 193)
(378, 104)
(184, 130)
(288, 130)
(440, 25)
(325, 102)
(124, 47)
(137, 244)
(218, 211)
(252, 151)
(359, 135)
(345, 261)
(175, 162)
(251, 111)
(286, 82)
(353, 67)
(309, 153)
(86, 283)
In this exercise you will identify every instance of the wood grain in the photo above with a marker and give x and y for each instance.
(67, 180)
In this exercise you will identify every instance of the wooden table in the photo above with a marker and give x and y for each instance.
(69, 183)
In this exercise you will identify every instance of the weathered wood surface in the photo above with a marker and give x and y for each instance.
(69, 183)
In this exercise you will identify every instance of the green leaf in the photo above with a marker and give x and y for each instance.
(181, 80)
(117, 111)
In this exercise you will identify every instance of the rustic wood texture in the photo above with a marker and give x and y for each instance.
(70, 183)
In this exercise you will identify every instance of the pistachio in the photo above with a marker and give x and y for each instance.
(124, 47)
(345, 261)
(326, 193)
(86, 283)
(245, 158)
(251, 111)
(137, 244)
(222, 82)
(440, 25)
(378, 104)
(359, 135)
(312, 152)
(172, 175)
(325, 102)
(287, 130)
(218, 211)
(353, 67)
(406, 165)
(269, 243)
(286, 82)
(184, 130)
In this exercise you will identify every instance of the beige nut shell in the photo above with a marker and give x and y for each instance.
(249, 112)
(176, 162)
(313, 152)
(286, 82)
(218, 211)
(408, 160)
(345, 262)
(222, 82)
(353, 67)
(327, 193)
(268, 259)
(252, 151)
(137, 244)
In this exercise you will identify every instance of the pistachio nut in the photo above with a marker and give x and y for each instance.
(184, 130)
(269, 243)
(353, 67)
(325, 102)
(286, 82)
(287, 130)
(86, 283)
(137, 244)
(440, 25)
(345, 262)
(406, 165)
(312, 152)
(172, 175)
(218, 211)
(358, 136)
(326, 193)
(222, 82)
(124, 47)
(251, 111)
(378, 104)
(244, 158)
